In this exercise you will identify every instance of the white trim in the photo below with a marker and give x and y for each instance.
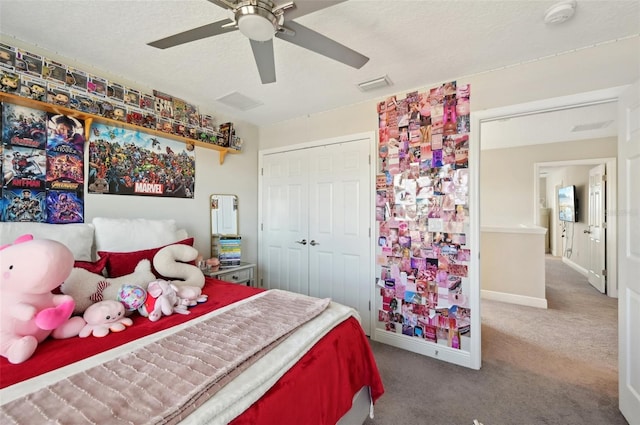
(523, 228)
(584, 272)
(437, 351)
(477, 118)
(514, 299)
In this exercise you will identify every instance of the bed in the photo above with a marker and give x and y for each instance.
(309, 367)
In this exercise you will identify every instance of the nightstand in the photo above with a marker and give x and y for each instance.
(244, 274)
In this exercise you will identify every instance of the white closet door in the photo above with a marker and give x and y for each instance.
(316, 214)
(285, 222)
(339, 214)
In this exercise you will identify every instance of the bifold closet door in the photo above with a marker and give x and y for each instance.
(316, 217)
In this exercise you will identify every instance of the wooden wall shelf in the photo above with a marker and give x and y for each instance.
(90, 118)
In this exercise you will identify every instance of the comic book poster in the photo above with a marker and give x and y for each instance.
(23, 167)
(23, 205)
(23, 126)
(65, 142)
(64, 207)
(129, 162)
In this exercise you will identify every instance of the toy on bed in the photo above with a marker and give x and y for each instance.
(88, 288)
(29, 311)
(104, 317)
(162, 299)
(171, 261)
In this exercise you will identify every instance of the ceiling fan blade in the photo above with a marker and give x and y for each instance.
(309, 39)
(209, 30)
(263, 54)
(304, 7)
(223, 4)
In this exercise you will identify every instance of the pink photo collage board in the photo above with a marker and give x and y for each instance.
(422, 213)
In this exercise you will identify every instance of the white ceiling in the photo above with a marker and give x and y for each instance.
(413, 42)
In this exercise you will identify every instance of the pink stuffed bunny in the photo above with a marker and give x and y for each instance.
(29, 270)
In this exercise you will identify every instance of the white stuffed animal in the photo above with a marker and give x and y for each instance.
(165, 263)
(88, 288)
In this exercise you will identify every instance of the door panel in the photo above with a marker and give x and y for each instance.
(285, 222)
(629, 254)
(596, 229)
(339, 223)
(320, 195)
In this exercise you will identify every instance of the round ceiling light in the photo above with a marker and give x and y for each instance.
(560, 12)
(256, 23)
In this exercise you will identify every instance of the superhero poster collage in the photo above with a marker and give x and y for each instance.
(422, 213)
(41, 160)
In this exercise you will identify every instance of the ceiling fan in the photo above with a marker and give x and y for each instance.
(260, 21)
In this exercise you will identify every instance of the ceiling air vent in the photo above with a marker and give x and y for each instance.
(375, 84)
(239, 101)
(592, 126)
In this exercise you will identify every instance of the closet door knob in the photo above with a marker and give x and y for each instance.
(314, 243)
(302, 242)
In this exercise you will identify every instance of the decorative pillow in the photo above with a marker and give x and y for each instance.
(78, 237)
(123, 263)
(134, 234)
(94, 267)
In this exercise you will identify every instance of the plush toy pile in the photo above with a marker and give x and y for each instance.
(31, 269)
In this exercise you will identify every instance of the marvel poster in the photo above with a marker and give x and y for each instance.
(129, 162)
(42, 166)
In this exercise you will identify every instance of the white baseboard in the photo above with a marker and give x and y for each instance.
(514, 299)
(576, 267)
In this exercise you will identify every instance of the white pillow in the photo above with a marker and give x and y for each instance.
(78, 237)
(134, 234)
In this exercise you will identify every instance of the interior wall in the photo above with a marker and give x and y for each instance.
(507, 176)
(537, 80)
(238, 175)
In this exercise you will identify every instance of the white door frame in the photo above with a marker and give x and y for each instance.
(477, 118)
(372, 181)
(612, 200)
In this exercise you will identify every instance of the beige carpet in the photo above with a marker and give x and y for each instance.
(553, 366)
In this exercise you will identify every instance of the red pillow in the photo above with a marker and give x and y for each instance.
(124, 263)
(95, 267)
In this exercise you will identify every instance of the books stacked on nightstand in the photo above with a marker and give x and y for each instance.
(229, 250)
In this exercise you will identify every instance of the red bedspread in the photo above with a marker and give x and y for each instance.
(317, 390)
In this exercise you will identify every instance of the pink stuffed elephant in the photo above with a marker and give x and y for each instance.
(29, 312)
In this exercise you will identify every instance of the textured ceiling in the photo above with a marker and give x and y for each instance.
(414, 42)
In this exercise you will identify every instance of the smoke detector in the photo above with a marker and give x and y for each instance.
(560, 12)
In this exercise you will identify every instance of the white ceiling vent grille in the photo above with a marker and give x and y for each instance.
(239, 101)
(377, 83)
(592, 126)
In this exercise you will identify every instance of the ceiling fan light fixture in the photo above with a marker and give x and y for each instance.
(256, 23)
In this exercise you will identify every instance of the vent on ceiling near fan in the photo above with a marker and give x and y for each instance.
(239, 101)
(592, 126)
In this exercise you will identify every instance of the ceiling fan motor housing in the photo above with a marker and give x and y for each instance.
(256, 19)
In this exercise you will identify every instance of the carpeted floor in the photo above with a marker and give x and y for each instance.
(553, 366)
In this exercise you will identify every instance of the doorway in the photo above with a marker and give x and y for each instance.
(608, 252)
(529, 109)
